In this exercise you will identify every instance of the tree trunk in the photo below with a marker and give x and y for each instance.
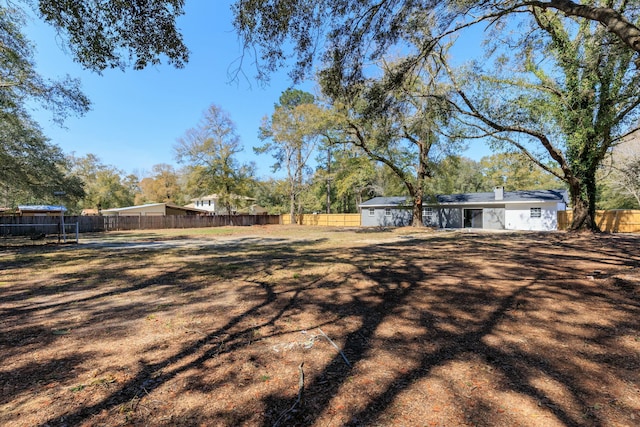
(298, 182)
(329, 180)
(292, 204)
(417, 209)
(423, 172)
(583, 200)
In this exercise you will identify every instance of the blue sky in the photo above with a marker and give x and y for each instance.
(137, 116)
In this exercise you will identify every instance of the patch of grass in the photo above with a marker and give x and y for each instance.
(104, 380)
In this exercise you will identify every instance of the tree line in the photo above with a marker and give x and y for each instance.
(343, 175)
(554, 84)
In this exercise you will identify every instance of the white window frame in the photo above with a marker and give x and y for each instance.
(372, 211)
(387, 211)
(535, 213)
(427, 213)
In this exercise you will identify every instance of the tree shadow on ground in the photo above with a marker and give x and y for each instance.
(534, 322)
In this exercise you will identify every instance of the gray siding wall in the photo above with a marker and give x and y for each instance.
(398, 218)
(450, 217)
(367, 220)
(493, 218)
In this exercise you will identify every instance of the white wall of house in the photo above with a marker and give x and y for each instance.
(208, 205)
(156, 209)
(517, 216)
(385, 217)
(533, 217)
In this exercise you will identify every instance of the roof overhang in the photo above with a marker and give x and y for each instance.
(41, 208)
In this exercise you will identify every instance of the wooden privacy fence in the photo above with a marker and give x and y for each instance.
(90, 224)
(328, 220)
(613, 221)
(86, 224)
(121, 223)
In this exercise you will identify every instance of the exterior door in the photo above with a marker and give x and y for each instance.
(473, 218)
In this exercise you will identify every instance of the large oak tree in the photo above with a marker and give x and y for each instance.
(31, 168)
(99, 34)
(591, 47)
(564, 95)
(395, 124)
(116, 34)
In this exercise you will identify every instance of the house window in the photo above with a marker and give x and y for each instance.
(536, 212)
(372, 212)
(387, 212)
(209, 202)
(427, 215)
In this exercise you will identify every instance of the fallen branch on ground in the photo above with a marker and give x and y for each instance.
(300, 390)
(337, 348)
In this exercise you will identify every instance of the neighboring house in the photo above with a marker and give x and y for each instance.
(213, 205)
(90, 212)
(40, 210)
(254, 209)
(153, 209)
(497, 210)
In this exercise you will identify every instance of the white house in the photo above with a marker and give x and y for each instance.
(497, 210)
(152, 209)
(213, 205)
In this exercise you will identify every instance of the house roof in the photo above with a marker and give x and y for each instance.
(41, 208)
(509, 197)
(489, 198)
(217, 196)
(149, 205)
(128, 208)
(378, 202)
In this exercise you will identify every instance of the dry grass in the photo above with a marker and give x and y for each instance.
(215, 327)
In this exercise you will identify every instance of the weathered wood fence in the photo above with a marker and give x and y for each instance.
(26, 225)
(612, 221)
(90, 224)
(328, 220)
(120, 223)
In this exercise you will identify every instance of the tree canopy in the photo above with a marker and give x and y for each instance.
(565, 72)
(115, 34)
(349, 34)
(569, 92)
(105, 186)
(209, 151)
(28, 161)
(398, 125)
(291, 135)
(98, 34)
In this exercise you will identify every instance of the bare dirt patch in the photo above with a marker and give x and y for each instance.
(267, 326)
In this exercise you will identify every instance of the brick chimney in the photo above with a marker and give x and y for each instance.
(499, 193)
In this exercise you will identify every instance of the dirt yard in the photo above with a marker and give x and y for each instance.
(281, 326)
